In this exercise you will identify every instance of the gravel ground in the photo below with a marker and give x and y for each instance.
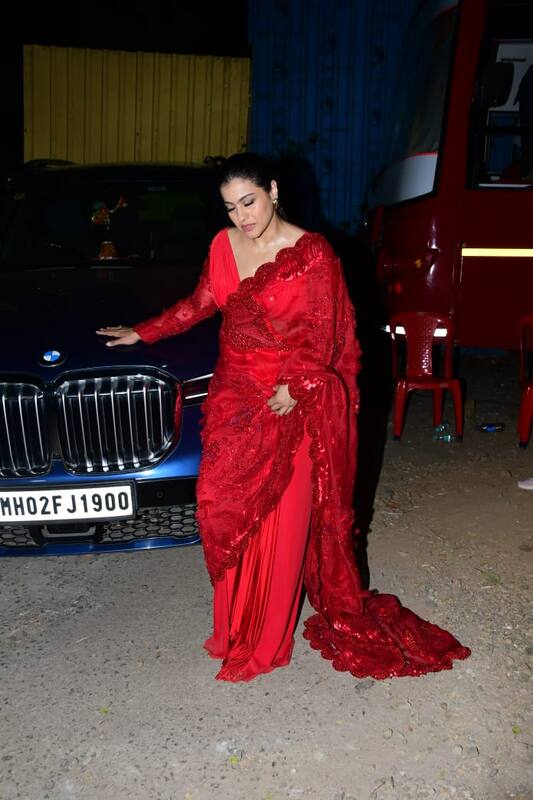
(107, 693)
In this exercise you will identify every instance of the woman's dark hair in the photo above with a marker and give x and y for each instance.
(249, 166)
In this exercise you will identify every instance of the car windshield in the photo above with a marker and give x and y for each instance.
(70, 223)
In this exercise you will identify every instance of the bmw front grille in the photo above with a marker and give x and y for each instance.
(104, 424)
(24, 449)
(116, 423)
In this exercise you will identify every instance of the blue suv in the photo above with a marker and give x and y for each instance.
(99, 447)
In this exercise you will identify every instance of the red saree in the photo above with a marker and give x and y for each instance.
(293, 323)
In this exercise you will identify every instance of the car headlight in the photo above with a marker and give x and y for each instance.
(194, 391)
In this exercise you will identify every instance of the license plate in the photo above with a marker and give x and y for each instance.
(63, 505)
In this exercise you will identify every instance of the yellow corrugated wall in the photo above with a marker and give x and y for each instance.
(105, 105)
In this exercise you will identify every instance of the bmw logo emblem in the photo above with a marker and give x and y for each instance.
(52, 358)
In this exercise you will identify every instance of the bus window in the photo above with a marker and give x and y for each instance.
(416, 120)
(501, 123)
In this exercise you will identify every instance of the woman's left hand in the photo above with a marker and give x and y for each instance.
(281, 402)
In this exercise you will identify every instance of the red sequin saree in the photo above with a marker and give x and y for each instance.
(293, 323)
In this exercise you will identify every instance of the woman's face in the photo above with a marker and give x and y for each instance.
(250, 207)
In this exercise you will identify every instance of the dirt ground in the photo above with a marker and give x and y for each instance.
(107, 693)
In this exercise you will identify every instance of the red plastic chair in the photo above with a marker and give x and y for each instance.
(525, 416)
(419, 328)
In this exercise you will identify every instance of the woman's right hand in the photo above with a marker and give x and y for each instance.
(119, 335)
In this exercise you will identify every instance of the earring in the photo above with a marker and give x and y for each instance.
(275, 202)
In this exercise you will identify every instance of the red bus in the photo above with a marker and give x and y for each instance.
(451, 213)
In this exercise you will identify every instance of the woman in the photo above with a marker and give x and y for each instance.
(279, 441)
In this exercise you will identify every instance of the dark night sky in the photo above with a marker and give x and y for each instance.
(156, 25)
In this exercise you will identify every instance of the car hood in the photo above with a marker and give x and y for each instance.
(60, 309)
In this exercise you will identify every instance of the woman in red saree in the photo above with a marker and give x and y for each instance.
(279, 450)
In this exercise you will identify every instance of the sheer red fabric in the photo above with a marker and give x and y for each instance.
(293, 322)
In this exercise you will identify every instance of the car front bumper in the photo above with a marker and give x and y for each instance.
(165, 517)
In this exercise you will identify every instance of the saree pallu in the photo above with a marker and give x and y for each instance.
(293, 323)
